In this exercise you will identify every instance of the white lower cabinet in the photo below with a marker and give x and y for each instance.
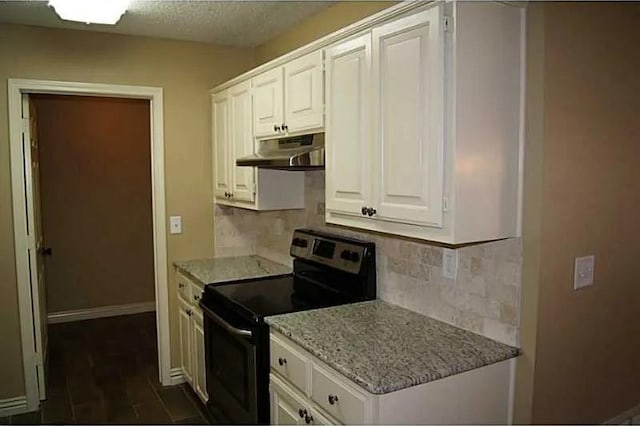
(318, 394)
(192, 352)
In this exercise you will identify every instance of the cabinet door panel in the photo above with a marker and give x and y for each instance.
(241, 141)
(199, 368)
(185, 340)
(268, 108)
(348, 166)
(304, 93)
(220, 131)
(408, 68)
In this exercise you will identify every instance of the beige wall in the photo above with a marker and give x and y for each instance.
(186, 71)
(340, 15)
(95, 185)
(580, 362)
(587, 360)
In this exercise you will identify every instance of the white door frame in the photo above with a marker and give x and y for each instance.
(18, 87)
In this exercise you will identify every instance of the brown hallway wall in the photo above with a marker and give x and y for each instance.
(95, 168)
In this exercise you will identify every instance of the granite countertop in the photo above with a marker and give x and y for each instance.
(218, 270)
(385, 348)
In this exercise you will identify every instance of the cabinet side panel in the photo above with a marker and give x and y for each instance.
(488, 79)
(479, 396)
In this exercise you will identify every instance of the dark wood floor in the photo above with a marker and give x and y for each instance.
(105, 371)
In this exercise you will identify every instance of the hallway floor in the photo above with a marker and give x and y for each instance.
(106, 371)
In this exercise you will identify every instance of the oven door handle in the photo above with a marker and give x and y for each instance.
(222, 323)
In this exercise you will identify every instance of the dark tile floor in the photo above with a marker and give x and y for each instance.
(105, 371)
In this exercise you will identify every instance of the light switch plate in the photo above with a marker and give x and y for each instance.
(175, 224)
(449, 263)
(583, 271)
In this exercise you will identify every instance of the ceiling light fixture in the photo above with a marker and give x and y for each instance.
(106, 12)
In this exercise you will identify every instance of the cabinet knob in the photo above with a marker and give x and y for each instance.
(308, 419)
(196, 297)
(282, 361)
(333, 399)
(364, 211)
(180, 285)
(371, 211)
(302, 412)
(231, 195)
(189, 312)
(284, 127)
(276, 128)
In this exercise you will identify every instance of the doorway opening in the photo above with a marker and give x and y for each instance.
(31, 250)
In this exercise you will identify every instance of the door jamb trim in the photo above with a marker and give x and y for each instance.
(18, 87)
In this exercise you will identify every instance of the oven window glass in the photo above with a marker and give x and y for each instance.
(231, 362)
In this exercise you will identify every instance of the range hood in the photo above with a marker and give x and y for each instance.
(304, 152)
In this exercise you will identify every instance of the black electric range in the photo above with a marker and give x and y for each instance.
(328, 270)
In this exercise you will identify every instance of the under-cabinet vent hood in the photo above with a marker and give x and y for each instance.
(304, 152)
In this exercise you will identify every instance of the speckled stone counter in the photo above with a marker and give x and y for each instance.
(217, 270)
(385, 348)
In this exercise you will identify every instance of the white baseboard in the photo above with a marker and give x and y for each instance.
(177, 376)
(629, 417)
(13, 406)
(101, 312)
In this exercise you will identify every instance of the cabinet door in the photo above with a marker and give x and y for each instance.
(408, 76)
(184, 318)
(241, 141)
(268, 100)
(304, 99)
(221, 144)
(347, 137)
(285, 408)
(199, 368)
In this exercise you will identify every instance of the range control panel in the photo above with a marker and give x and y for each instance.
(334, 251)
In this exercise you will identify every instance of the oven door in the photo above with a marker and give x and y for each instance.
(231, 369)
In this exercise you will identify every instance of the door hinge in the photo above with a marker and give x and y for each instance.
(447, 21)
(445, 204)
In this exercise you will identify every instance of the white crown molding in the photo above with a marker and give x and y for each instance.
(349, 31)
(101, 312)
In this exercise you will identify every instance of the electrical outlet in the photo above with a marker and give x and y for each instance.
(449, 263)
(175, 224)
(583, 271)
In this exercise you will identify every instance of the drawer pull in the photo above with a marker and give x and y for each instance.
(180, 285)
(282, 361)
(302, 412)
(308, 419)
(333, 399)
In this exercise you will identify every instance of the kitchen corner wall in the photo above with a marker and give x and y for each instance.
(485, 297)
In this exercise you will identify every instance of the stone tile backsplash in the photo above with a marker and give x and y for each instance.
(484, 297)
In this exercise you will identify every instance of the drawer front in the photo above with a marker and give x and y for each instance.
(196, 293)
(339, 400)
(289, 363)
(184, 288)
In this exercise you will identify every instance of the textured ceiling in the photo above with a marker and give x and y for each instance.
(233, 23)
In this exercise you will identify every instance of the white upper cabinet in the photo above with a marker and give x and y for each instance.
(348, 128)
(304, 102)
(408, 88)
(246, 187)
(242, 141)
(289, 99)
(268, 103)
(436, 153)
(221, 148)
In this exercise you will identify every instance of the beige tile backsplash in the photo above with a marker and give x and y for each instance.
(484, 298)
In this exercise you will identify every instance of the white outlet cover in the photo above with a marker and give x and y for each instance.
(449, 263)
(175, 224)
(583, 271)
